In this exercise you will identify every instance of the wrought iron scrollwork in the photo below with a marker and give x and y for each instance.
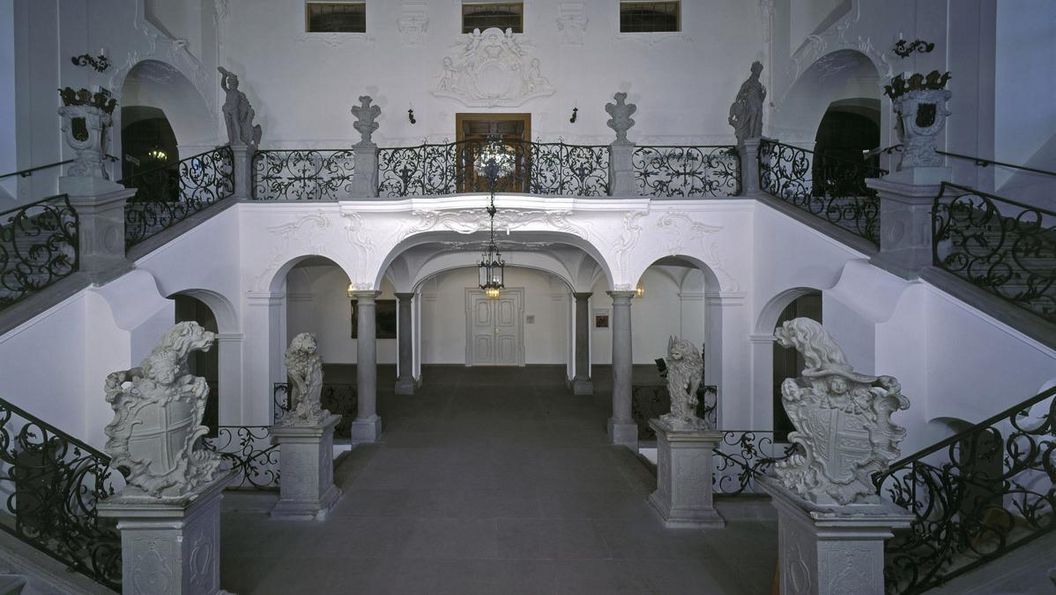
(1005, 247)
(303, 174)
(975, 496)
(168, 195)
(652, 401)
(741, 457)
(830, 188)
(251, 453)
(39, 245)
(53, 483)
(689, 172)
(335, 398)
(424, 170)
(568, 170)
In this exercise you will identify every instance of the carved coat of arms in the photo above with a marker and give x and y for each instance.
(492, 70)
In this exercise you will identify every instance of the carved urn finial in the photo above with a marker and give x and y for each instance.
(844, 433)
(919, 103)
(620, 119)
(305, 370)
(86, 119)
(685, 370)
(366, 116)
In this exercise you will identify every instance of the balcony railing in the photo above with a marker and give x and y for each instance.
(1003, 246)
(829, 188)
(167, 195)
(741, 457)
(303, 174)
(39, 245)
(688, 171)
(249, 451)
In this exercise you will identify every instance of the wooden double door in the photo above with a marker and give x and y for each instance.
(495, 328)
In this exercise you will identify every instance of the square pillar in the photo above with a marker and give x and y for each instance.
(581, 384)
(169, 545)
(906, 201)
(365, 178)
(405, 327)
(242, 157)
(306, 471)
(621, 170)
(683, 495)
(748, 152)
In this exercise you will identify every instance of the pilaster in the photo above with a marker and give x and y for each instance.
(581, 383)
(405, 381)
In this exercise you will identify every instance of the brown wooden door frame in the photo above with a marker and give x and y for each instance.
(518, 181)
(460, 118)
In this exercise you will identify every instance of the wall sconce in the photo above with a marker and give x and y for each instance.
(351, 291)
(100, 63)
(410, 116)
(575, 114)
(639, 291)
(904, 48)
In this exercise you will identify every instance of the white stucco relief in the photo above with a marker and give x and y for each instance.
(289, 240)
(493, 69)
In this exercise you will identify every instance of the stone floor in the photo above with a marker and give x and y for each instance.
(497, 481)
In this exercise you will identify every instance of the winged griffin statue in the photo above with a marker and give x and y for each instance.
(305, 369)
(843, 423)
(158, 409)
(685, 369)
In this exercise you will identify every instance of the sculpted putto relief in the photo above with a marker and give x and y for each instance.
(492, 70)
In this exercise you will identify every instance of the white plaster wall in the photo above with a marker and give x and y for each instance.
(8, 138)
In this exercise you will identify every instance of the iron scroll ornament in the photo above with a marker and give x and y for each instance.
(39, 245)
(303, 174)
(687, 172)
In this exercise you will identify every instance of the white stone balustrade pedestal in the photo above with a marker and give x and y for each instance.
(831, 550)
(306, 471)
(683, 495)
(169, 545)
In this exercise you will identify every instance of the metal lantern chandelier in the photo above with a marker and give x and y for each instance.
(491, 268)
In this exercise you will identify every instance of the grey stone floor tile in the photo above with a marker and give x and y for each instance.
(447, 538)
(538, 539)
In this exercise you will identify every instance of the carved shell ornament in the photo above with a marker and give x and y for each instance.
(492, 69)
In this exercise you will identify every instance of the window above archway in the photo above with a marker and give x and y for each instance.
(335, 17)
(650, 17)
(484, 15)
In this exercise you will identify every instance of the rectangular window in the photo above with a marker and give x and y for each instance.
(483, 15)
(336, 17)
(650, 17)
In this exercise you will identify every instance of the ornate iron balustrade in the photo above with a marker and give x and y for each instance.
(986, 491)
(39, 245)
(251, 453)
(689, 172)
(829, 188)
(335, 398)
(52, 483)
(303, 174)
(652, 401)
(168, 195)
(1003, 246)
(741, 457)
(452, 168)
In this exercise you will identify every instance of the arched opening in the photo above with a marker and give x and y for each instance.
(147, 140)
(203, 363)
(788, 363)
(151, 87)
(849, 128)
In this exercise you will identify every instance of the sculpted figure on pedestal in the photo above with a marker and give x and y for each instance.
(158, 409)
(238, 113)
(305, 369)
(843, 423)
(746, 113)
(366, 114)
(620, 113)
(685, 369)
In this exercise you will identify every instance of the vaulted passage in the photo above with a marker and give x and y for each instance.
(495, 480)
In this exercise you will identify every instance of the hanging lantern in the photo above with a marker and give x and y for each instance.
(492, 268)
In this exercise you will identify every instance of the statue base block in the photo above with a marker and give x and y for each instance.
(582, 386)
(831, 550)
(683, 494)
(306, 466)
(366, 430)
(405, 386)
(623, 434)
(169, 545)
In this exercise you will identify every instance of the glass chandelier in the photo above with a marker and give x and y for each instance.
(491, 268)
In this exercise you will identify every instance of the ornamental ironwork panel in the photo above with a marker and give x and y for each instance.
(250, 453)
(335, 398)
(53, 483)
(829, 188)
(39, 245)
(741, 457)
(688, 172)
(1000, 245)
(168, 195)
(975, 496)
(303, 174)
(568, 170)
(425, 170)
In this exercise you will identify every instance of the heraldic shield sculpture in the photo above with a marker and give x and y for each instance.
(158, 409)
(685, 369)
(305, 369)
(843, 423)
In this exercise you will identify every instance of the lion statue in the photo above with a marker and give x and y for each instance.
(821, 354)
(685, 370)
(305, 369)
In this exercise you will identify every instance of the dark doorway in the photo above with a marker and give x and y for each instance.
(848, 129)
(788, 363)
(505, 137)
(147, 140)
(203, 363)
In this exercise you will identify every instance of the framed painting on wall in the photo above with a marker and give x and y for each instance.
(384, 319)
(601, 319)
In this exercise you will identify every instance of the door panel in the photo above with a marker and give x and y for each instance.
(496, 332)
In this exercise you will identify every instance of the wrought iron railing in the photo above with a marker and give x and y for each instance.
(1003, 246)
(39, 245)
(167, 195)
(689, 172)
(452, 168)
(250, 453)
(303, 174)
(741, 457)
(52, 483)
(335, 398)
(830, 188)
(975, 496)
(652, 400)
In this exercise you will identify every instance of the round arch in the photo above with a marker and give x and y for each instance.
(160, 85)
(771, 311)
(277, 284)
(222, 308)
(524, 260)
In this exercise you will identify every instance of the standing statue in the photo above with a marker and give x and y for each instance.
(366, 114)
(305, 369)
(621, 113)
(746, 113)
(844, 433)
(238, 113)
(685, 370)
(158, 409)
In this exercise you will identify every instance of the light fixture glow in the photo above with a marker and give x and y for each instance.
(639, 291)
(351, 291)
(492, 268)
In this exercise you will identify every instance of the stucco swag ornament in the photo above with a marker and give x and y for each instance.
(366, 119)
(305, 370)
(620, 117)
(492, 70)
(843, 423)
(685, 370)
(158, 409)
(746, 113)
(238, 113)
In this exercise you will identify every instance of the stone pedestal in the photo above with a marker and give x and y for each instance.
(831, 550)
(365, 180)
(906, 200)
(169, 545)
(748, 151)
(306, 471)
(100, 206)
(243, 171)
(405, 382)
(581, 383)
(683, 476)
(621, 170)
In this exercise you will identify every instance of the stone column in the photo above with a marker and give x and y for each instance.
(306, 466)
(243, 170)
(748, 150)
(169, 545)
(405, 382)
(621, 170)
(365, 179)
(622, 429)
(831, 550)
(581, 384)
(100, 207)
(906, 200)
(367, 426)
(683, 476)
